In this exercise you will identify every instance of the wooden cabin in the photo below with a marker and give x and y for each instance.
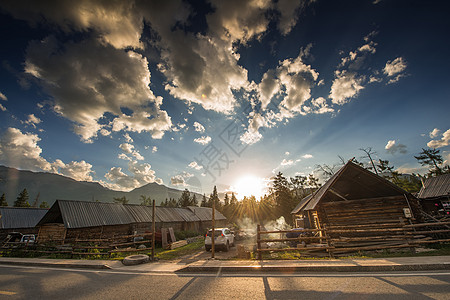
(20, 219)
(355, 196)
(94, 220)
(435, 195)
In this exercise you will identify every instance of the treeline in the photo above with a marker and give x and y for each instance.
(22, 200)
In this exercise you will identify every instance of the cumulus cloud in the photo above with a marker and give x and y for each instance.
(307, 156)
(195, 165)
(87, 80)
(444, 141)
(78, 170)
(395, 66)
(129, 149)
(346, 85)
(180, 179)
(154, 149)
(392, 147)
(32, 120)
(118, 23)
(204, 140)
(21, 150)
(141, 174)
(289, 12)
(434, 133)
(199, 127)
(287, 162)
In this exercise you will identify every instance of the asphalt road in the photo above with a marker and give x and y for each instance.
(46, 283)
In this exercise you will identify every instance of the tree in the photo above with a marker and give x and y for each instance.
(433, 159)
(194, 201)
(121, 200)
(369, 154)
(147, 201)
(44, 204)
(22, 199)
(185, 199)
(3, 201)
(204, 202)
(226, 200)
(214, 197)
(284, 200)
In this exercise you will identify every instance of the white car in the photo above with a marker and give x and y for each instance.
(224, 238)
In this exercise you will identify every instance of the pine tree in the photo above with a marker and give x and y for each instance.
(226, 200)
(433, 159)
(185, 199)
(214, 197)
(194, 201)
(204, 202)
(22, 199)
(3, 201)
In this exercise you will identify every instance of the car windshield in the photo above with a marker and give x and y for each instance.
(216, 233)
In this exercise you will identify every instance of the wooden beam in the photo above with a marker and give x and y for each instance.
(337, 194)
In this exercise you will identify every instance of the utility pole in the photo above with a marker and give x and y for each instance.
(213, 234)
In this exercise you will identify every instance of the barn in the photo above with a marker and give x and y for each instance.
(19, 219)
(355, 196)
(68, 219)
(435, 195)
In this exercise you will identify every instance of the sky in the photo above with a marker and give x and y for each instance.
(193, 94)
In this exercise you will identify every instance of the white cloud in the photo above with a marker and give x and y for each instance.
(346, 85)
(2, 108)
(287, 153)
(87, 80)
(81, 171)
(444, 141)
(129, 149)
(199, 127)
(154, 149)
(392, 147)
(434, 133)
(180, 179)
(395, 67)
(307, 156)
(117, 23)
(204, 140)
(195, 165)
(289, 12)
(32, 120)
(286, 162)
(141, 174)
(21, 150)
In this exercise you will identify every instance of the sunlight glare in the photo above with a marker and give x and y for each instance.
(249, 185)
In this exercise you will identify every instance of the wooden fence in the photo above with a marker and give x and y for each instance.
(346, 239)
(87, 247)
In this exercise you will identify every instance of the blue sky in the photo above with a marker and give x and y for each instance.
(194, 94)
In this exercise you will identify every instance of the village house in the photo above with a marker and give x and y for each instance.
(68, 219)
(355, 196)
(435, 195)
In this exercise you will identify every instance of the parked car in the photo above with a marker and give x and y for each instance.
(19, 238)
(223, 238)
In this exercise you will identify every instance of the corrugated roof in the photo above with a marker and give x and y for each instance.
(435, 187)
(19, 217)
(352, 182)
(78, 214)
(205, 213)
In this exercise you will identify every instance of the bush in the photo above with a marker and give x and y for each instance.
(182, 235)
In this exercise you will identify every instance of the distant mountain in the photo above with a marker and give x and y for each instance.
(52, 187)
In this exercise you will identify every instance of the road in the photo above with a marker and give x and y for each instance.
(46, 283)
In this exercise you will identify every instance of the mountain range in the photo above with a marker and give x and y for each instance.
(51, 187)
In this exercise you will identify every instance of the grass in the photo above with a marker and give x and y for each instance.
(178, 252)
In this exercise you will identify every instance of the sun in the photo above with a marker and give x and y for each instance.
(249, 185)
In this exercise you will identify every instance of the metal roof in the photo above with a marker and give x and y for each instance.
(301, 204)
(20, 217)
(435, 187)
(205, 213)
(78, 214)
(352, 182)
